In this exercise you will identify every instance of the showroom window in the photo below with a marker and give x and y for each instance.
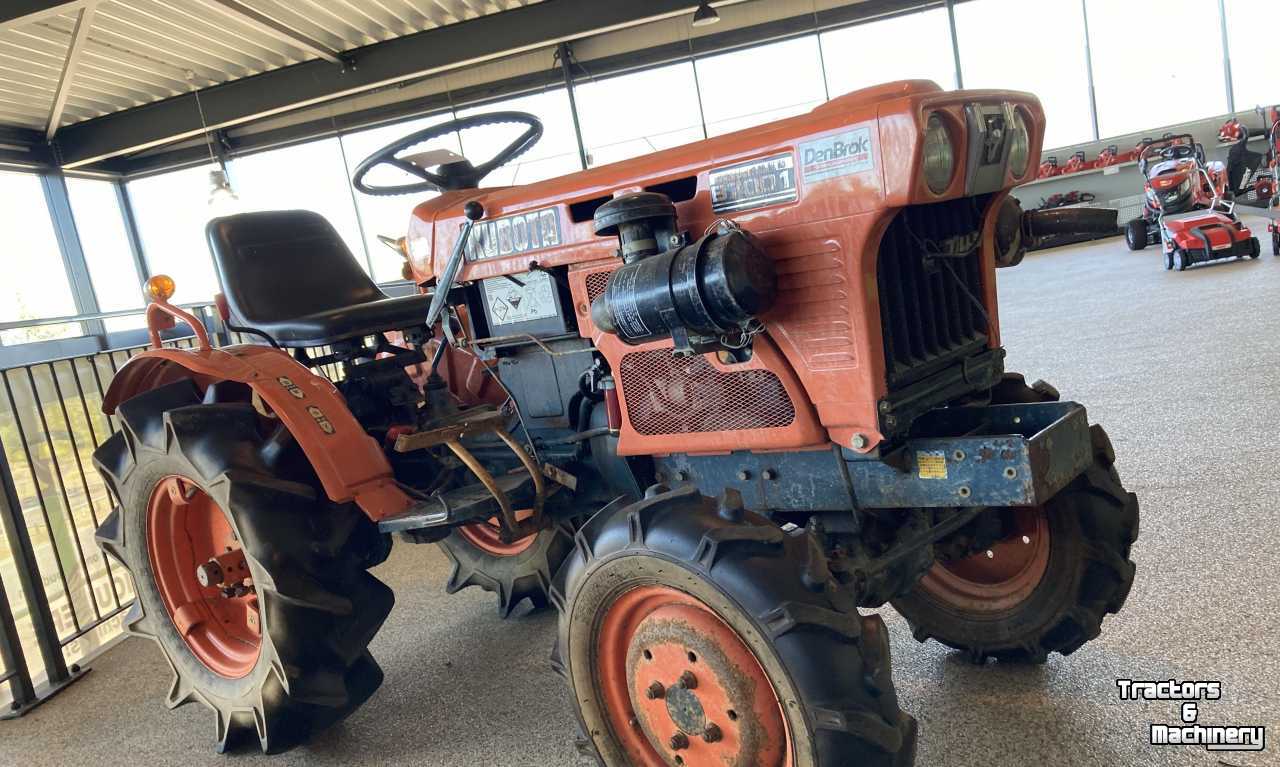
(555, 155)
(661, 105)
(307, 176)
(1251, 39)
(871, 54)
(107, 253)
(35, 284)
(171, 210)
(760, 85)
(1050, 64)
(1141, 88)
(389, 216)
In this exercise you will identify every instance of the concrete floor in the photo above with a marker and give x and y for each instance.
(1182, 368)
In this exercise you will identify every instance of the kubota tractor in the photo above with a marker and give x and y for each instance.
(1185, 210)
(708, 403)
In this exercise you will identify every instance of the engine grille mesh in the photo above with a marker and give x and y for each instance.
(596, 283)
(666, 395)
(926, 311)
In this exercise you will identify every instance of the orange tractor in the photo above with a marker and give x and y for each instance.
(708, 403)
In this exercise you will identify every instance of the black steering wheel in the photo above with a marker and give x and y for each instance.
(460, 174)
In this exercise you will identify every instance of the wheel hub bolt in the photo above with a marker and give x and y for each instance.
(679, 741)
(688, 681)
(712, 734)
(656, 691)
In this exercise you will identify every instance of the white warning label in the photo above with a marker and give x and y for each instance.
(520, 298)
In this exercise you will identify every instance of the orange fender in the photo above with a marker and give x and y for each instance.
(350, 464)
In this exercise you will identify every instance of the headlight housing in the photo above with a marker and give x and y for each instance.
(939, 155)
(1019, 146)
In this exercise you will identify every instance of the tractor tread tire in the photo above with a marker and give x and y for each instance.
(779, 583)
(319, 606)
(512, 579)
(1106, 517)
(1135, 234)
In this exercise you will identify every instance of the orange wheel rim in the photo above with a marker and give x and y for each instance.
(1001, 577)
(487, 536)
(219, 622)
(680, 687)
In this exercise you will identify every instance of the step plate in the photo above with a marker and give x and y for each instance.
(462, 505)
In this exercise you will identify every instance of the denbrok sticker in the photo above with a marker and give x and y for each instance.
(839, 154)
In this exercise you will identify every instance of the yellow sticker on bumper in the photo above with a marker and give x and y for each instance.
(931, 464)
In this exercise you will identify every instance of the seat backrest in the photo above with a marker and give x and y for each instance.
(281, 264)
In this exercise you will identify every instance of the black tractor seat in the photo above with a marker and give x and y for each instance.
(288, 274)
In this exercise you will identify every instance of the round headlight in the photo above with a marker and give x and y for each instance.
(1019, 146)
(939, 156)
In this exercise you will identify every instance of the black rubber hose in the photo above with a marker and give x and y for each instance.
(1072, 222)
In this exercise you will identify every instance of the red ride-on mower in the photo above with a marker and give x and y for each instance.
(1184, 209)
(1076, 164)
(1266, 187)
(1049, 168)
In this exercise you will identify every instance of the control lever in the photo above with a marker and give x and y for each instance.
(474, 211)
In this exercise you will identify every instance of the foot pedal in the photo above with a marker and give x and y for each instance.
(461, 505)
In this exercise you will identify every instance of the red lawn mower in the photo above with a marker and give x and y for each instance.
(1185, 209)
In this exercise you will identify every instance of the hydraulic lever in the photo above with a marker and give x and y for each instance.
(474, 211)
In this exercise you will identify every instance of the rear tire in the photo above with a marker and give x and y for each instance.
(781, 661)
(1275, 243)
(1255, 247)
(315, 608)
(1135, 234)
(1082, 540)
(1179, 259)
(1168, 260)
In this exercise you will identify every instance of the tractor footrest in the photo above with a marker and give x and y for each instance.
(471, 503)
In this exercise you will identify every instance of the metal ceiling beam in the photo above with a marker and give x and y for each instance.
(75, 49)
(16, 13)
(471, 42)
(279, 30)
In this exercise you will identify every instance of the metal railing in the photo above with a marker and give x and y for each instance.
(61, 600)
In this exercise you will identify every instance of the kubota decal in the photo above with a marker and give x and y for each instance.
(513, 235)
(839, 154)
(753, 184)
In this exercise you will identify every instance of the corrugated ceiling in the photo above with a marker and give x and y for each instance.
(132, 52)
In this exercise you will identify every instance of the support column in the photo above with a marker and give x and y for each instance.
(564, 53)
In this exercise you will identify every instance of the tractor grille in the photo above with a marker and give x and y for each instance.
(928, 316)
(666, 395)
(596, 283)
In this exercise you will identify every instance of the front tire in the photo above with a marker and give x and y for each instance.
(1255, 247)
(696, 634)
(282, 653)
(1275, 243)
(1048, 585)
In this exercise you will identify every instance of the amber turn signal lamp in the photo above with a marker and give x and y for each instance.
(160, 287)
